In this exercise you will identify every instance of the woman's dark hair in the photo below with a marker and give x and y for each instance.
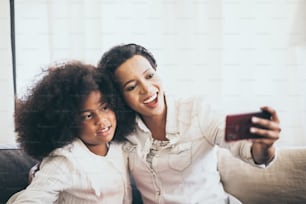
(49, 116)
(117, 55)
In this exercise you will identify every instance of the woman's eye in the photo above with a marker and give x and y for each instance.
(130, 88)
(151, 75)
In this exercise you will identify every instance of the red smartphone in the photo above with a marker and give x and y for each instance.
(237, 126)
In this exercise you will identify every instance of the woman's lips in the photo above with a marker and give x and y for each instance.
(152, 101)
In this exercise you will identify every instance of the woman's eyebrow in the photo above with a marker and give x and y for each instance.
(144, 72)
(126, 83)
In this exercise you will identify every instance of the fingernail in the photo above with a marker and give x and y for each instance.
(252, 130)
(254, 119)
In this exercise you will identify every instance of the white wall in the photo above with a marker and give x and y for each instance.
(6, 78)
(242, 54)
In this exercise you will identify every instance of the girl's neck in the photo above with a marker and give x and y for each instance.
(100, 150)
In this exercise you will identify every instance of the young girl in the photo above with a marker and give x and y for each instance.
(171, 154)
(68, 121)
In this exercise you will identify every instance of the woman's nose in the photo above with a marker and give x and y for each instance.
(146, 88)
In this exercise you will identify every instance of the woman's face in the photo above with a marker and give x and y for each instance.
(98, 123)
(141, 87)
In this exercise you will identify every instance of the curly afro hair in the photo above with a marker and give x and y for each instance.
(49, 115)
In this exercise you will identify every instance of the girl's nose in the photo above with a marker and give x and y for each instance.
(101, 119)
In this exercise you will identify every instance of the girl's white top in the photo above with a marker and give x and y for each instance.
(73, 174)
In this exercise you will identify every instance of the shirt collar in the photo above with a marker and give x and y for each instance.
(172, 128)
(172, 115)
(141, 124)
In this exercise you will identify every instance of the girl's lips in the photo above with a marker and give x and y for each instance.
(104, 131)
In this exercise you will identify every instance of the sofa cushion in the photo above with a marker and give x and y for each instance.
(282, 182)
(14, 169)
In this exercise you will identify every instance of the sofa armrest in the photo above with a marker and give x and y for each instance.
(282, 182)
(14, 169)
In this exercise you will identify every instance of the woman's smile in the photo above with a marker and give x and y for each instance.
(151, 101)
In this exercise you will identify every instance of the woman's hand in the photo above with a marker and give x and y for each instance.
(263, 149)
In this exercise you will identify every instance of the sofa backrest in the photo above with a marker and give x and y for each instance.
(281, 183)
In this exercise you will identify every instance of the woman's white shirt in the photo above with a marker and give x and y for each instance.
(184, 168)
(73, 174)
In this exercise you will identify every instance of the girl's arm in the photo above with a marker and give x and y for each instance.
(53, 177)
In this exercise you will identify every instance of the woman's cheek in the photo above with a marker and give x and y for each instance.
(130, 99)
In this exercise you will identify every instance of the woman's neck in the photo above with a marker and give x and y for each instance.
(157, 125)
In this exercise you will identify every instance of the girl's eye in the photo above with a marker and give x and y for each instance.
(87, 116)
(104, 107)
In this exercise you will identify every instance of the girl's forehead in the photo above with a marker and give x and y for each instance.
(93, 97)
(93, 101)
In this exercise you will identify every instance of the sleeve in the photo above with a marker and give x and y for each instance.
(128, 189)
(212, 125)
(53, 177)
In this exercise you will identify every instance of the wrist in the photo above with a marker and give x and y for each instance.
(262, 154)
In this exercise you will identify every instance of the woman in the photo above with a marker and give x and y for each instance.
(171, 153)
(68, 121)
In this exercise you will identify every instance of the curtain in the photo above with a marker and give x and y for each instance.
(6, 77)
(239, 54)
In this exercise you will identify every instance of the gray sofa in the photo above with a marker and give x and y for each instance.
(282, 183)
(14, 169)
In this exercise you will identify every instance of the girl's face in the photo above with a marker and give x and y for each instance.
(141, 87)
(99, 123)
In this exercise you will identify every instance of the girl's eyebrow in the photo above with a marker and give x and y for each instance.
(103, 103)
(85, 110)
